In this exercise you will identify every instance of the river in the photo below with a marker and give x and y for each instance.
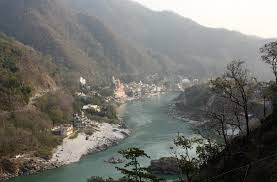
(152, 130)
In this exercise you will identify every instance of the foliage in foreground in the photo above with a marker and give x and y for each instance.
(189, 165)
(132, 171)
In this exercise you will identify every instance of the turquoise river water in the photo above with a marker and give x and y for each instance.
(152, 130)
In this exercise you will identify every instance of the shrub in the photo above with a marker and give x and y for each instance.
(111, 112)
(89, 131)
(56, 115)
(7, 166)
(58, 106)
(44, 153)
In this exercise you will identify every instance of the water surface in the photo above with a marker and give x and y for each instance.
(152, 130)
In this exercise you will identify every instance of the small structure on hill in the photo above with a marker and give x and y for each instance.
(95, 108)
(83, 81)
(195, 81)
(63, 130)
(81, 121)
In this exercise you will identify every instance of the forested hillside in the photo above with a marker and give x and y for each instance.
(188, 46)
(80, 44)
(47, 45)
(25, 76)
(104, 38)
(24, 72)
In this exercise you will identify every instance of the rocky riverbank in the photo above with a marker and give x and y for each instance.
(23, 166)
(193, 116)
(70, 151)
(73, 149)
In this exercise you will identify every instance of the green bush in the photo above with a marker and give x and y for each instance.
(11, 81)
(89, 131)
(26, 132)
(7, 166)
(56, 115)
(111, 112)
(106, 92)
(44, 153)
(58, 107)
(9, 65)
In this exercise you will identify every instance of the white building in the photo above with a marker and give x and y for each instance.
(195, 81)
(63, 130)
(83, 81)
(94, 107)
(80, 94)
(81, 121)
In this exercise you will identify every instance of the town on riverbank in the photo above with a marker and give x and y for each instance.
(95, 125)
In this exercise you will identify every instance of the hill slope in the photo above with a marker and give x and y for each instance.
(81, 44)
(252, 160)
(99, 39)
(188, 45)
(24, 72)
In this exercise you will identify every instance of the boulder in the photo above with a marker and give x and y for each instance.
(165, 166)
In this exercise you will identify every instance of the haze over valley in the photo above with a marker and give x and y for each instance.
(82, 80)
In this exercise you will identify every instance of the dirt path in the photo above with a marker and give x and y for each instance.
(40, 94)
(32, 101)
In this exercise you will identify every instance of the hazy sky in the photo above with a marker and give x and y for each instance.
(256, 17)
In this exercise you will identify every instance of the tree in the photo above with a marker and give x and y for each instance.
(269, 56)
(265, 91)
(207, 148)
(111, 112)
(237, 119)
(188, 164)
(100, 179)
(225, 119)
(220, 118)
(236, 86)
(133, 170)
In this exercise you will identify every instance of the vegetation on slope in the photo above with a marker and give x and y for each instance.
(24, 73)
(25, 132)
(250, 158)
(99, 39)
(12, 85)
(222, 155)
(57, 106)
(178, 43)
(80, 44)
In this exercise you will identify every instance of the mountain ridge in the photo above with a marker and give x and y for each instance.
(99, 39)
(80, 44)
(184, 41)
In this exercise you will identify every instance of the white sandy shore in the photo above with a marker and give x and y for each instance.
(73, 149)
